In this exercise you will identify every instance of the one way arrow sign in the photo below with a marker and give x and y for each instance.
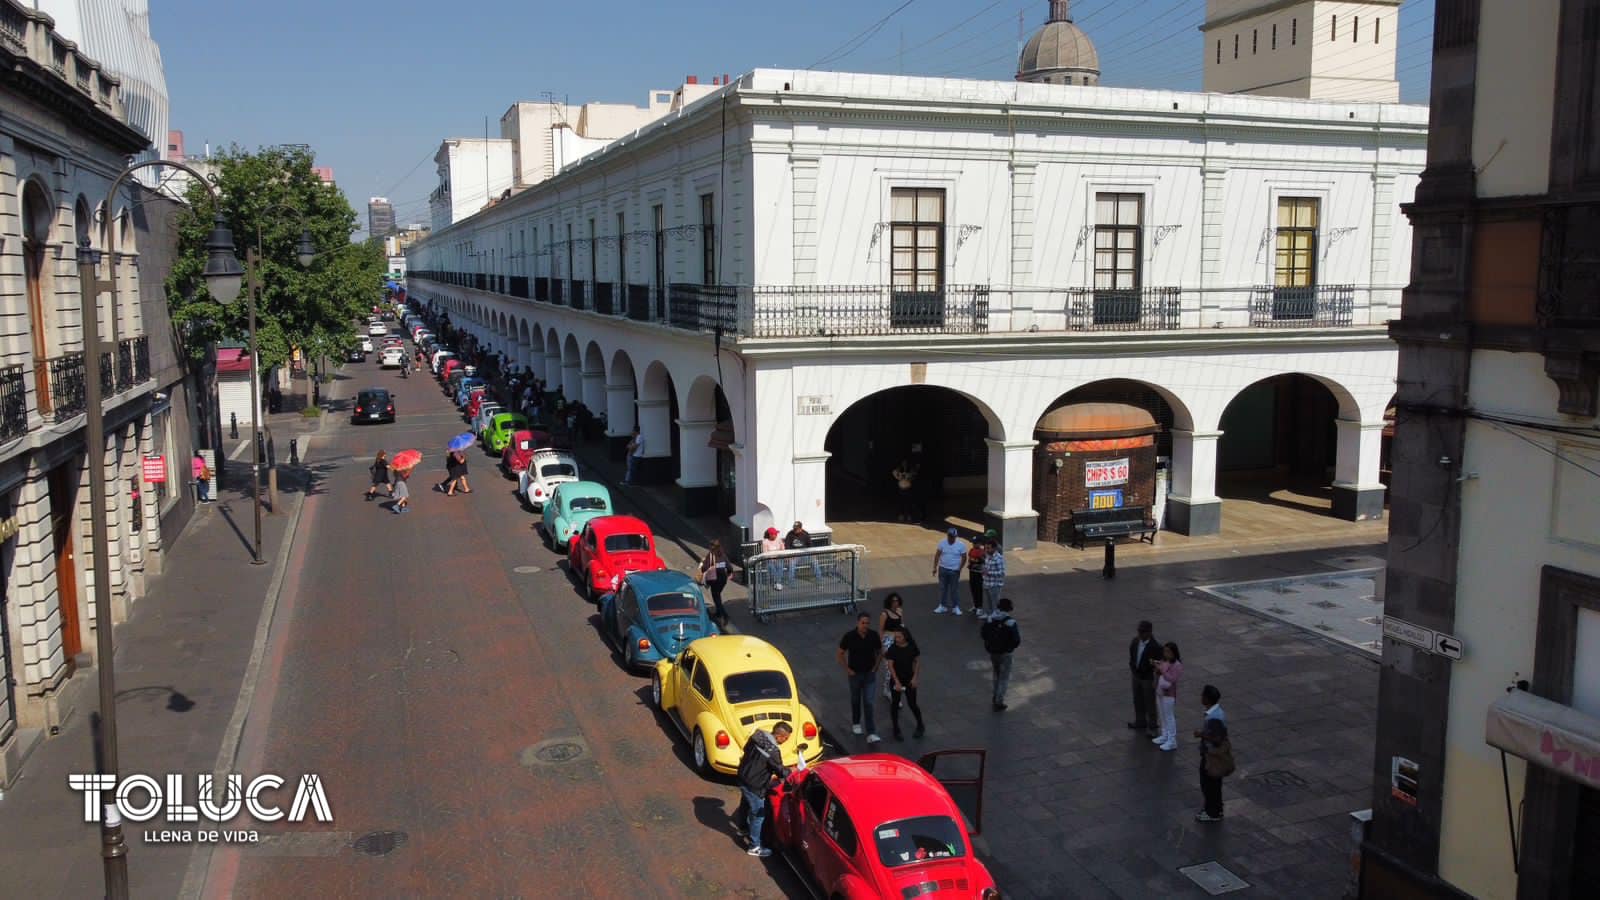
(1446, 645)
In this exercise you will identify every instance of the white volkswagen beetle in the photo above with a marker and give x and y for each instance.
(548, 468)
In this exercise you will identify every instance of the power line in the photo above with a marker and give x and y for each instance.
(951, 30)
(855, 43)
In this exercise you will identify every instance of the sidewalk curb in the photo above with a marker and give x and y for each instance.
(200, 860)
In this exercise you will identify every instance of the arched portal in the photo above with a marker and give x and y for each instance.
(552, 361)
(706, 444)
(1280, 442)
(594, 379)
(916, 454)
(621, 393)
(571, 370)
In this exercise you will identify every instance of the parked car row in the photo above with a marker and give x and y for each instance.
(874, 825)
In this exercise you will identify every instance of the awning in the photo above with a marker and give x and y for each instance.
(1546, 734)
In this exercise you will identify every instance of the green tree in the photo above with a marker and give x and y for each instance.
(314, 308)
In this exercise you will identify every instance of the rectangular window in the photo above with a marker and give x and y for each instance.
(1296, 263)
(570, 270)
(1376, 38)
(1219, 52)
(1334, 31)
(1118, 241)
(622, 253)
(594, 255)
(1255, 40)
(1236, 46)
(1274, 37)
(1294, 32)
(708, 239)
(1355, 30)
(917, 238)
(658, 221)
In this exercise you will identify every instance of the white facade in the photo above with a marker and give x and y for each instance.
(801, 188)
(1333, 50)
(472, 173)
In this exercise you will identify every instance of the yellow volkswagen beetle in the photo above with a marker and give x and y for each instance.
(721, 688)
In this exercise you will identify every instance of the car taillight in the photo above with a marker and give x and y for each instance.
(391, 407)
(538, 492)
(644, 644)
(722, 740)
(358, 409)
(991, 894)
(809, 730)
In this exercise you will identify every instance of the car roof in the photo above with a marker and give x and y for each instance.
(502, 418)
(375, 390)
(664, 581)
(727, 653)
(548, 451)
(584, 489)
(881, 787)
(620, 525)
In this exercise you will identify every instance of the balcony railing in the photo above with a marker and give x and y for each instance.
(581, 296)
(639, 302)
(604, 304)
(13, 403)
(1323, 306)
(124, 365)
(133, 362)
(66, 385)
(851, 310)
(541, 289)
(1138, 309)
(703, 307)
(557, 291)
(519, 286)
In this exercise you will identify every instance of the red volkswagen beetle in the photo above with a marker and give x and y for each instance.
(608, 548)
(878, 825)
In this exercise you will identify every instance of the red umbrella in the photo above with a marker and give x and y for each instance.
(405, 459)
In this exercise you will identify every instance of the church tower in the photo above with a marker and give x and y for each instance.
(1312, 49)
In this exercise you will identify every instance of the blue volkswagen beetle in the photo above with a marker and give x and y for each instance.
(653, 615)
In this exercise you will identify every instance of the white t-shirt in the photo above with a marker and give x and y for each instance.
(638, 445)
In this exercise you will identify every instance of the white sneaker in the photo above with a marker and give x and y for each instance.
(761, 852)
(873, 739)
(957, 611)
(1158, 741)
(1169, 746)
(940, 610)
(777, 587)
(855, 729)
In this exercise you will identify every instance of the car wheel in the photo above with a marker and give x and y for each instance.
(655, 690)
(702, 762)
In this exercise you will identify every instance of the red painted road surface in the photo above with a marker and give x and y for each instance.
(439, 693)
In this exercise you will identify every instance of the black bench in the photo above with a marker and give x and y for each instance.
(1103, 524)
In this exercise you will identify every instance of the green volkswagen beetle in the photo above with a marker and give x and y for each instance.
(498, 434)
(571, 505)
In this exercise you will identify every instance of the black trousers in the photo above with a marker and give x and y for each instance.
(716, 585)
(1211, 790)
(975, 579)
(910, 697)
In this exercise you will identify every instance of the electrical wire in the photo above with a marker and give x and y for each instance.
(855, 43)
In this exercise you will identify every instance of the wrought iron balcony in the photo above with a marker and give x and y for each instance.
(13, 403)
(108, 374)
(1319, 306)
(541, 289)
(854, 310)
(124, 365)
(582, 295)
(1137, 309)
(639, 302)
(703, 307)
(133, 362)
(67, 386)
(519, 286)
(557, 291)
(604, 291)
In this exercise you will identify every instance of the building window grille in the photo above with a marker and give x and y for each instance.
(708, 239)
(917, 238)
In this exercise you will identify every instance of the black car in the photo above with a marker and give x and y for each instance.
(373, 405)
(357, 355)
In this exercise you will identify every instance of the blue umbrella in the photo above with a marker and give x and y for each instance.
(463, 440)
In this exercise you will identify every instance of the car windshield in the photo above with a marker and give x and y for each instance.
(557, 470)
(627, 543)
(664, 606)
(588, 503)
(752, 687)
(911, 841)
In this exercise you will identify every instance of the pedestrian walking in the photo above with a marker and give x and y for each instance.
(714, 575)
(947, 559)
(402, 493)
(1143, 651)
(759, 769)
(1216, 754)
(994, 572)
(202, 477)
(775, 567)
(860, 652)
(975, 574)
(891, 620)
(1001, 637)
(456, 474)
(904, 665)
(1169, 671)
(905, 478)
(380, 475)
(636, 446)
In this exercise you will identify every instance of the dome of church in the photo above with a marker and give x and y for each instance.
(1059, 53)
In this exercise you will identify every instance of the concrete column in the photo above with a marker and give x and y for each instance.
(594, 391)
(1357, 492)
(572, 381)
(1010, 506)
(620, 418)
(655, 424)
(810, 491)
(1194, 508)
(697, 470)
(552, 367)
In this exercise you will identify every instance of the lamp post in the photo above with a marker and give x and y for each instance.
(305, 253)
(222, 280)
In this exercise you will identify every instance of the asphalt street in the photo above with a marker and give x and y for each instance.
(445, 680)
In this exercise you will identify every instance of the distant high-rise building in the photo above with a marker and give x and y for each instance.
(380, 217)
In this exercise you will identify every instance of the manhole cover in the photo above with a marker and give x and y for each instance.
(554, 752)
(380, 843)
(527, 570)
(1325, 604)
(1278, 779)
(1214, 879)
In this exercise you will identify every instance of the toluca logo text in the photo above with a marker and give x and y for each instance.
(140, 798)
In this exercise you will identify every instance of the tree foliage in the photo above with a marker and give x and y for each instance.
(270, 195)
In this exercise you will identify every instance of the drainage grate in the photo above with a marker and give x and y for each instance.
(1214, 879)
(1277, 779)
(554, 752)
(1325, 604)
(380, 843)
(527, 570)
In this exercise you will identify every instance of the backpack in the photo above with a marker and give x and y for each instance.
(1000, 636)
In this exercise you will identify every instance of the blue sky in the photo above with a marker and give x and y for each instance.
(374, 86)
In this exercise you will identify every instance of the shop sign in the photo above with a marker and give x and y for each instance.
(1111, 499)
(813, 404)
(1105, 472)
(155, 470)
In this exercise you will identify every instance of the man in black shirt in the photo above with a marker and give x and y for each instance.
(905, 664)
(798, 539)
(860, 651)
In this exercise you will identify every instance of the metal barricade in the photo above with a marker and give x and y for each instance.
(809, 578)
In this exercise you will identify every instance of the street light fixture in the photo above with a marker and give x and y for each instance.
(222, 280)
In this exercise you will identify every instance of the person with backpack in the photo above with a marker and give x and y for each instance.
(1216, 754)
(759, 769)
(1001, 637)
